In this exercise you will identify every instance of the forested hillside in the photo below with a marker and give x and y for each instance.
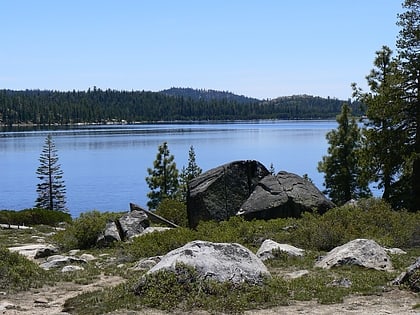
(208, 95)
(99, 106)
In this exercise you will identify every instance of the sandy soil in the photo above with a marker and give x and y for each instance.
(50, 300)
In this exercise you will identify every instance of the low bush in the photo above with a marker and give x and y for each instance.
(371, 218)
(17, 273)
(85, 230)
(34, 216)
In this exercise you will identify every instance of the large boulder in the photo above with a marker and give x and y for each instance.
(219, 193)
(361, 252)
(133, 223)
(111, 234)
(217, 261)
(283, 195)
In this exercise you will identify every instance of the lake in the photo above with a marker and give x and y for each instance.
(105, 166)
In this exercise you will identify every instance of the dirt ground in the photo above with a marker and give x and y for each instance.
(50, 300)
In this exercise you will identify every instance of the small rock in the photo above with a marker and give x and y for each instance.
(6, 305)
(344, 283)
(268, 247)
(41, 300)
(395, 251)
(71, 268)
(74, 252)
(296, 274)
(147, 263)
(87, 257)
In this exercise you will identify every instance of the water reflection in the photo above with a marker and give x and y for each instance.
(105, 166)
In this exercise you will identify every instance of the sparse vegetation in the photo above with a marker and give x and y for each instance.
(371, 218)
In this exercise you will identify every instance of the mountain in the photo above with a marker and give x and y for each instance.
(208, 95)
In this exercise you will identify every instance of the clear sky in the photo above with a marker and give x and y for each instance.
(257, 48)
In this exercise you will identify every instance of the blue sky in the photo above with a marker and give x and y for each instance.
(262, 49)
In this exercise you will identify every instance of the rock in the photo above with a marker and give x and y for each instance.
(32, 250)
(6, 305)
(74, 252)
(219, 193)
(410, 277)
(395, 251)
(71, 268)
(268, 246)
(283, 195)
(87, 257)
(360, 252)
(110, 235)
(296, 274)
(147, 263)
(46, 251)
(133, 223)
(218, 261)
(57, 261)
(343, 283)
(152, 229)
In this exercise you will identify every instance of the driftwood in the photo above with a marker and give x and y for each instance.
(133, 206)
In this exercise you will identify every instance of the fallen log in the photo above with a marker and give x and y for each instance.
(134, 206)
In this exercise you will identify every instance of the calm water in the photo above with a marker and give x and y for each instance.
(105, 166)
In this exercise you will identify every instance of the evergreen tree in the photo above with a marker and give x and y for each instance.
(383, 141)
(188, 173)
(51, 191)
(163, 177)
(408, 44)
(343, 180)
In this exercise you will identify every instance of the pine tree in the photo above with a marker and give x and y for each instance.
(408, 45)
(51, 191)
(343, 180)
(163, 177)
(383, 141)
(188, 173)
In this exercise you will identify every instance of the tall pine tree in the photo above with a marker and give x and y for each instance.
(163, 177)
(343, 175)
(52, 190)
(384, 141)
(408, 45)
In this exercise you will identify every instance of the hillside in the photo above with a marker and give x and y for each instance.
(104, 106)
(208, 95)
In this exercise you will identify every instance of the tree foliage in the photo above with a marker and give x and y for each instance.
(343, 173)
(188, 173)
(163, 177)
(52, 190)
(384, 141)
(99, 106)
(408, 45)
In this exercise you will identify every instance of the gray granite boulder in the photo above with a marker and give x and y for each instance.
(268, 248)
(57, 261)
(410, 277)
(361, 252)
(35, 251)
(111, 234)
(217, 261)
(219, 193)
(133, 223)
(283, 195)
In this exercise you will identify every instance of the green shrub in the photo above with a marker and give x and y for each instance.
(371, 218)
(174, 211)
(85, 230)
(18, 273)
(34, 216)
(159, 243)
